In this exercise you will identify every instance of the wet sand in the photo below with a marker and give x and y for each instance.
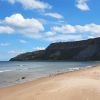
(78, 85)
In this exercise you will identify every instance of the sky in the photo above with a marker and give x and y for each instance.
(29, 25)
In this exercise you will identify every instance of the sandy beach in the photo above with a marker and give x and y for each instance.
(78, 85)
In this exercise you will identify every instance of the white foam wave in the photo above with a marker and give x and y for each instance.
(1, 71)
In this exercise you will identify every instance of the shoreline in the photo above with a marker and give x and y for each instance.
(22, 81)
(61, 86)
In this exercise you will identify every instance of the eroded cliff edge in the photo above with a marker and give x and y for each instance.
(78, 51)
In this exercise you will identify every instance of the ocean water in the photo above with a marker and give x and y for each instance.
(12, 73)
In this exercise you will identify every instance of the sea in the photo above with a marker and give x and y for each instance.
(17, 72)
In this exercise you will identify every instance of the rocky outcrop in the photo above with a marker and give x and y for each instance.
(37, 55)
(77, 51)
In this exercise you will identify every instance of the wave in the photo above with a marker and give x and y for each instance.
(1, 71)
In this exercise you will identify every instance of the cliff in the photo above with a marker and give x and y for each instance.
(78, 51)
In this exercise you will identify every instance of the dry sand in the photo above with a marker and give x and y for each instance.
(78, 85)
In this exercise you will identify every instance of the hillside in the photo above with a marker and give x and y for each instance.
(74, 51)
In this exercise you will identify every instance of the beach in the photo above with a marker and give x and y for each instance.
(83, 84)
(12, 73)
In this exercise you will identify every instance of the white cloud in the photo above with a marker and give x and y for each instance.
(33, 28)
(6, 29)
(23, 41)
(55, 15)
(17, 23)
(64, 37)
(88, 28)
(18, 20)
(38, 48)
(5, 44)
(64, 29)
(49, 33)
(32, 4)
(73, 32)
(91, 28)
(82, 5)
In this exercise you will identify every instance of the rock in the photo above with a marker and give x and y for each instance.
(37, 55)
(23, 77)
(84, 50)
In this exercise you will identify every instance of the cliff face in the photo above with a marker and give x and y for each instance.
(78, 51)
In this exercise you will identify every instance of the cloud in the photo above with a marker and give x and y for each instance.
(18, 20)
(88, 28)
(64, 37)
(50, 33)
(32, 4)
(18, 24)
(6, 29)
(92, 28)
(5, 44)
(54, 15)
(33, 28)
(38, 48)
(23, 41)
(82, 5)
(73, 32)
(64, 29)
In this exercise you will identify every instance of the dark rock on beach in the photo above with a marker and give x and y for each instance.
(23, 77)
